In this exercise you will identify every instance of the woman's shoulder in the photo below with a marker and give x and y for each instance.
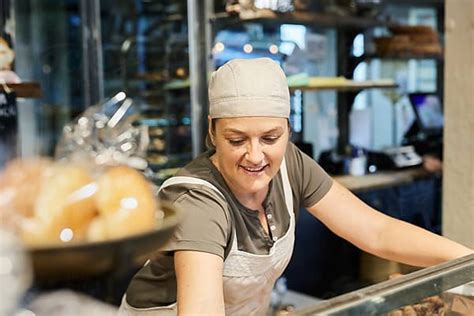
(295, 158)
(204, 208)
(199, 167)
(192, 190)
(308, 179)
(195, 186)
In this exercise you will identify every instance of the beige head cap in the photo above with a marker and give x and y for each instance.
(249, 87)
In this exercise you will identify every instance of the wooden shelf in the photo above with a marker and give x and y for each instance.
(161, 122)
(399, 57)
(148, 76)
(24, 89)
(178, 84)
(349, 86)
(297, 17)
(382, 179)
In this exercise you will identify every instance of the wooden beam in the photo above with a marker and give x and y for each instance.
(458, 181)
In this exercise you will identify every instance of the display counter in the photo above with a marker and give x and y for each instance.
(382, 179)
(445, 289)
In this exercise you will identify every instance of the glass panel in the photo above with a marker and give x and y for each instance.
(145, 52)
(48, 51)
(414, 288)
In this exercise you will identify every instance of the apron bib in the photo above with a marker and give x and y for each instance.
(248, 278)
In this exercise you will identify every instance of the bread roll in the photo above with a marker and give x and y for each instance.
(97, 230)
(126, 201)
(66, 200)
(412, 29)
(62, 203)
(20, 185)
(45, 232)
(35, 232)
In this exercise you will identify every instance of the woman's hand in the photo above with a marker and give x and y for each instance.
(199, 278)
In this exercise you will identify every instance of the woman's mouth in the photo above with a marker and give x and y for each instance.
(254, 171)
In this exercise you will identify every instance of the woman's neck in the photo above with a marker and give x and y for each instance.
(252, 200)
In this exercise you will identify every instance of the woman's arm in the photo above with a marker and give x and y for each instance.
(384, 236)
(199, 278)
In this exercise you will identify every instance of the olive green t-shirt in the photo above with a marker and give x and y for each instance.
(211, 221)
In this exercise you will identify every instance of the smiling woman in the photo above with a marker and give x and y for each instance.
(249, 151)
(240, 200)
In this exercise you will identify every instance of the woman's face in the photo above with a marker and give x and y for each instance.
(249, 151)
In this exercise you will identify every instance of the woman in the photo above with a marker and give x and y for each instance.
(241, 198)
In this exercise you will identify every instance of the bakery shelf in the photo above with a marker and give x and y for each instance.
(24, 89)
(382, 179)
(158, 162)
(178, 84)
(148, 76)
(399, 56)
(349, 85)
(297, 17)
(163, 122)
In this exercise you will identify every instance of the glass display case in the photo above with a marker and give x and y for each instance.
(445, 289)
(145, 49)
(80, 52)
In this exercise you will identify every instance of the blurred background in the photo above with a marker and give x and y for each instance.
(367, 82)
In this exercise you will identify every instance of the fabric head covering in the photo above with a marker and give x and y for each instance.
(249, 87)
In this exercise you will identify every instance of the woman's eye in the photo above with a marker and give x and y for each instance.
(270, 139)
(236, 142)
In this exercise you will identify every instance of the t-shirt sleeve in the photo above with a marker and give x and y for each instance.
(204, 225)
(309, 181)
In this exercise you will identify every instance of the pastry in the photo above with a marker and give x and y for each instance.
(126, 201)
(20, 185)
(66, 200)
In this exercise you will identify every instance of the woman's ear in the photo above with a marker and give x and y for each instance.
(210, 139)
(210, 130)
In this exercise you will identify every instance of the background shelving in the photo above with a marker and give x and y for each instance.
(350, 85)
(297, 17)
(24, 89)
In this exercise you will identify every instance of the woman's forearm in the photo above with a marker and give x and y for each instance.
(372, 231)
(199, 283)
(409, 244)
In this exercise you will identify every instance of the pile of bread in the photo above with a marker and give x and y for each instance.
(439, 305)
(433, 305)
(51, 202)
(407, 40)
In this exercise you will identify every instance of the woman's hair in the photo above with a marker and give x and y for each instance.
(209, 143)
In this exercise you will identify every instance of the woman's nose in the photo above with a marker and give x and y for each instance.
(254, 153)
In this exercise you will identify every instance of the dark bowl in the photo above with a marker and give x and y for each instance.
(79, 261)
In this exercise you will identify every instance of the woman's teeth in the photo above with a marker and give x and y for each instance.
(253, 169)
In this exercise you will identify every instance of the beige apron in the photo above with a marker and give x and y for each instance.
(248, 278)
